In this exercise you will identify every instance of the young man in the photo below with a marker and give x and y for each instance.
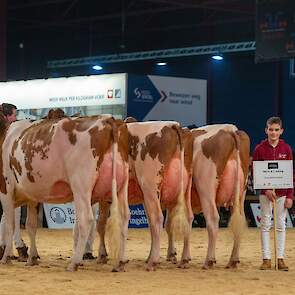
(9, 111)
(274, 148)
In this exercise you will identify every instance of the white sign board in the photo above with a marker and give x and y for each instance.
(65, 92)
(59, 216)
(273, 174)
(255, 207)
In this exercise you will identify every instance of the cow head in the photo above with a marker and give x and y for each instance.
(56, 114)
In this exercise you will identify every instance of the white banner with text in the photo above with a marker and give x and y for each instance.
(65, 92)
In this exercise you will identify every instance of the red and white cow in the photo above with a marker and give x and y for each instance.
(220, 171)
(160, 155)
(56, 161)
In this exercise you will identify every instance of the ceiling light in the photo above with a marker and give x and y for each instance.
(217, 56)
(161, 63)
(97, 68)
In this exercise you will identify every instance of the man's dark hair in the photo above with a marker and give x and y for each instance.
(274, 120)
(7, 108)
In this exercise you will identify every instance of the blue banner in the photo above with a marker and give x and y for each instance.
(138, 218)
(142, 96)
(167, 98)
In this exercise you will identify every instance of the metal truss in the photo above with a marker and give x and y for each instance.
(153, 54)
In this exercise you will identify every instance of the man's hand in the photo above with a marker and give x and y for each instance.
(288, 203)
(271, 195)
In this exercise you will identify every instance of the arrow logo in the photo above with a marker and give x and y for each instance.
(163, 96)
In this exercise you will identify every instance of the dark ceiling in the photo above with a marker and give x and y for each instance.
(57, 29)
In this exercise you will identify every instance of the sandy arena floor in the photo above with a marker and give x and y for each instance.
(50, 276)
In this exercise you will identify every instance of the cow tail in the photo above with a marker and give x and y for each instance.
(238, 221)
(179, 215)
(114, 223)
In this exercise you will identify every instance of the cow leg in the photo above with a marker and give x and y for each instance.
(8, 215)
(89, 244)
(171, 252)
(186, 256)
(19, 243)
(84, 220)
(20, 246)
(104, 210)
(31, 226)
(125, 214)
(88, 253)
(75, 235)
(155, 217)
(234, 258)
(206, 183)
(2, 235)
(212, 222)
(238, 225)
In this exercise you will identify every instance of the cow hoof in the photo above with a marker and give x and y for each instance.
(152, 266)
(184, 264)
(73, 267)
(209, 264)
(172, 257)
(22, 253)
(6, 260)
(22, 259)
(206, 267)
(88, 256)
(33, 261)
(120, 267)
(103, 259)
(233, 264)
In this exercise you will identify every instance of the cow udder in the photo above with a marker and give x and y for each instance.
(170, 188)
(61, 192)
(103, 187)
(227, 184)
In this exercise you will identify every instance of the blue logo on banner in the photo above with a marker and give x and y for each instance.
(142, 96)
(137, 217)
